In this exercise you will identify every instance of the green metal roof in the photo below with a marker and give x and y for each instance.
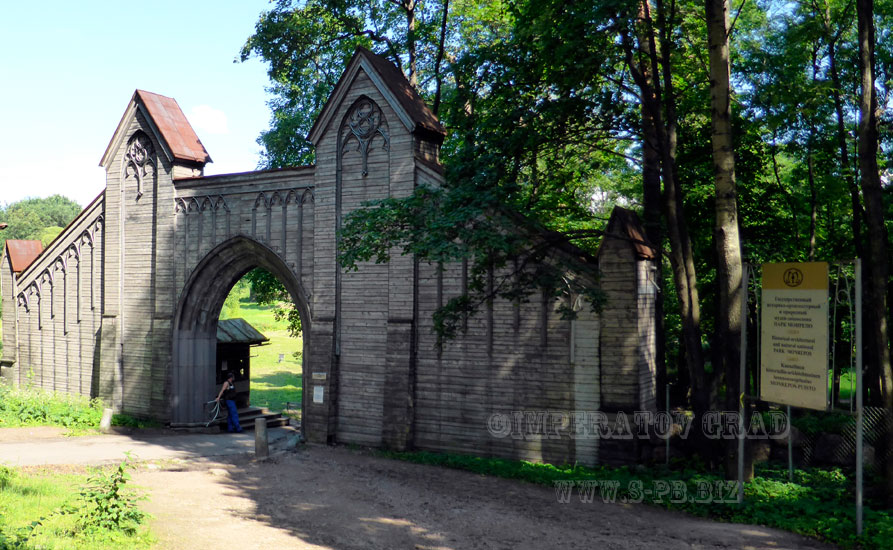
(238, 331)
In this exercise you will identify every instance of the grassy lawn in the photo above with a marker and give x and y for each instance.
(40, 495)
(274, 382)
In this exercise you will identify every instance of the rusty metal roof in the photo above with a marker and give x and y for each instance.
(238, 331)
(22, 253)
(175, 129)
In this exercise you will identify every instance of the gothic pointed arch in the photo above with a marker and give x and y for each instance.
(361, 127)
(139, 160)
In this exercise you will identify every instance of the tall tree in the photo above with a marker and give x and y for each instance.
(726, 239)
(652, 72)
(878, 244)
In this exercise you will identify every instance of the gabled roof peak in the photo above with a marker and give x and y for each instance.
(392, 84)
(168, 122)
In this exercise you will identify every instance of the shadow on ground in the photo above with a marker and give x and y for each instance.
(344, 499)
(274, 389)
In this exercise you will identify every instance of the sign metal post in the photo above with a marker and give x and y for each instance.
(859, 417)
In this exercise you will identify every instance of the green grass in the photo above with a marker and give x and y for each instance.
(260, 317)
(273, 383)
(818, 503)
(29, 497)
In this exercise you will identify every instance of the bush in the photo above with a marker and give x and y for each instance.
(106, 505)
(101, 514)
(36, 407)
(6, 476)
(127, 421)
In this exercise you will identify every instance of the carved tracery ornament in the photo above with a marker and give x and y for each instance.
(363, 123)
(138, 160)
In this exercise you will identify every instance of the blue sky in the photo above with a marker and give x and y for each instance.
(68, 70)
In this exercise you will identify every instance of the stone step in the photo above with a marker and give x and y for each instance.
(248, 415)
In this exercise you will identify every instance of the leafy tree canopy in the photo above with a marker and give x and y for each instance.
(40, 218)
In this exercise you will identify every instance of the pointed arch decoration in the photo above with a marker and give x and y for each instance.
(363, 123)
(139, 160)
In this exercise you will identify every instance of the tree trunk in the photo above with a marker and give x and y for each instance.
(813, 201)
(682, 255)
(651, 186)
(438, 78)
(875, 311)
(726, 239)
(655, 101)
(409, 6)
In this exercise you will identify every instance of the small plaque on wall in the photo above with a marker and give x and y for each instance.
(319, 376)
(318, 392)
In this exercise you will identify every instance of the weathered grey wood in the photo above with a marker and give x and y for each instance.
(124, 305)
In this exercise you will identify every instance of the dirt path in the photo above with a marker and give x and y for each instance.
(47, 446)
(339, 499)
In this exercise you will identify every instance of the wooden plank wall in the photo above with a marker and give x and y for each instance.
(619, 342)
(54, 308)
(513, 358)
(8, 295)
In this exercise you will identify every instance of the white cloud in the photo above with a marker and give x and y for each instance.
(208, 120)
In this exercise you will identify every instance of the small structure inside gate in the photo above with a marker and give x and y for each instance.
(124, 304)
(235, 338)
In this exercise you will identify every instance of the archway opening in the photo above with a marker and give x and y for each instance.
(194, 379)
(259, 338)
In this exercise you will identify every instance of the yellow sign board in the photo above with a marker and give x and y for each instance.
(794, 347)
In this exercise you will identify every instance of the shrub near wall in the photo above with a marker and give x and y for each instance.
(34, 407)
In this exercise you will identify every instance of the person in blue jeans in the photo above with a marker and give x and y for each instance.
(228, 393)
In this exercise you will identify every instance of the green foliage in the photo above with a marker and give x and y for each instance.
(816, 423)
(231, 306)
(35, 407)
(105, 504)
(543, 119)
(268, 290)
(127, 421)
(48, 234)
(305, 62)
(37, 218)
(535, 125)
(6, 476)
(55, 500)
(817, 503)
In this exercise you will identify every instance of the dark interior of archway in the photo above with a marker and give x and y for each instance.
(268, 375)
